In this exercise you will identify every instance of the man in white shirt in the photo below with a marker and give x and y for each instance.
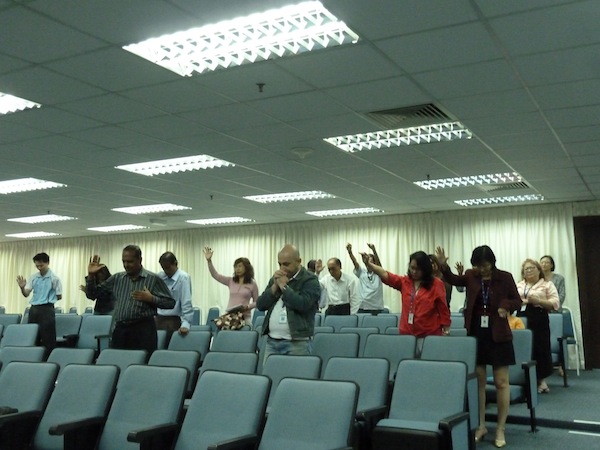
(339, 291)
(180, 285)
(370, 285)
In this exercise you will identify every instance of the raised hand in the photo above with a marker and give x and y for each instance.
(349, 247)
(208, 253)
(440, 255)
(372, 247)
(82, 288)
(460, 269)
(21, 281)
(94, 266)
(366, 258)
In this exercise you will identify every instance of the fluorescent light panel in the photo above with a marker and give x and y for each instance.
(174, 165)
(26, 184)
(400, 137)
(500, 200)
(42, 219)
(272, 34)
(343, 212)
(113, 228)
(10, 104)
(220, 221)
(289, 196)
(31, 235)
(493, 178)
(151, 209)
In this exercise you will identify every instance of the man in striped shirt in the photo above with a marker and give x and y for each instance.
(138, 293)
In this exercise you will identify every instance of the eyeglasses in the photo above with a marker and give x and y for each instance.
(529, 269)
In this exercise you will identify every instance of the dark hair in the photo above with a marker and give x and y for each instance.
(424, 264)
(136, 250)
(337, 261)
(312, 265)
(551, 261)
(169, 258)
(483, 254)
(248, 273)
(42, 257)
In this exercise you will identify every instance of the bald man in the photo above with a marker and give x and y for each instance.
(291, 300)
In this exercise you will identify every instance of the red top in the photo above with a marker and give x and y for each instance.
(429, 306)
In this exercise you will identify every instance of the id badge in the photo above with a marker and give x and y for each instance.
(411, 318)
(485, 321)
(283, 317)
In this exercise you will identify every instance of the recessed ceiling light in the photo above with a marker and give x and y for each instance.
(174, 165)
(289, 196)
(499, 200)
(33, 234)
(10, 104)
(424, 134)
(219, 221)
(42, 219)
(343, 212)
(272, 34)
(26, 184)
(493, 178)
(151, 209)
(113, 228)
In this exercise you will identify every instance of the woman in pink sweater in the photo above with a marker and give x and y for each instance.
(242, 286)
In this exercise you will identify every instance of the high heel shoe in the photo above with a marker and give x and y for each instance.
(480, 434)
(499, 443)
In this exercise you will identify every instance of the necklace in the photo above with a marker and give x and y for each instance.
(370, 276)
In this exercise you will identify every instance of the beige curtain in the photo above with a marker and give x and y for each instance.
(514, 233)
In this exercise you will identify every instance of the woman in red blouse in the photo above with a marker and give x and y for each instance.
(424, 308)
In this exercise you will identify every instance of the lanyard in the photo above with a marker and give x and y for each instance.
(485, 293)
(413, 294)
(525, 291)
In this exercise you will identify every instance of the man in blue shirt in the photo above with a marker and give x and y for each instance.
(47, 290)
(180, 284)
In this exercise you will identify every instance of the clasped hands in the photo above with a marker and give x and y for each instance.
(280, 279)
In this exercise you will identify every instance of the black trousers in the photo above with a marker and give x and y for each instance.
(338, 310)
(136, 334)
(168, 323)
(44, 316)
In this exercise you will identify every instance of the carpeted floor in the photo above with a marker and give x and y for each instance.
(563, 415)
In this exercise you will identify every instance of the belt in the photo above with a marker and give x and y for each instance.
(135, 321)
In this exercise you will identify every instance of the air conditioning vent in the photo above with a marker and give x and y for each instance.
(409, 116)
(504, 186)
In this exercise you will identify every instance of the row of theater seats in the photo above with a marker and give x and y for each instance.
(310, 404)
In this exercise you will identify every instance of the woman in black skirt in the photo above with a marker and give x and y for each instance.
(491, 297)
(541, 297)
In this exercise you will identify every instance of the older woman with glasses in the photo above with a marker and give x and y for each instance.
(540, 296)
(491, 298)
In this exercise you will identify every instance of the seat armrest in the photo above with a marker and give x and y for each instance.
(19, 417)
(156, 431)
(7, 410)
(372, 414)
(68, 427)
(238, 442)
(447, 423)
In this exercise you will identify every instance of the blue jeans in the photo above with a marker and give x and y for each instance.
(285, 347)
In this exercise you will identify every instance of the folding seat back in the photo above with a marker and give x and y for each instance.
(23, 354)
(9, 319)
(67, 329)
(394, 348)
(363, 334)
(230, 362)
(205, 426)
(198, 341)
(238, 341)
(328, 345)
(189, 360)
(121, 358)
(338, 322)
(82, 392)
(380, 321)
(310, 415)
(22, 335)
(147, 396)
(94, 332)
(63, 356)
(278, 367)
